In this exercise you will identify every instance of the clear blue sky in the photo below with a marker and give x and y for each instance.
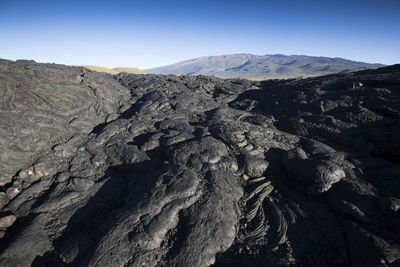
(153, 33)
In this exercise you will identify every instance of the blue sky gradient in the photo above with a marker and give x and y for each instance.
(150, 33)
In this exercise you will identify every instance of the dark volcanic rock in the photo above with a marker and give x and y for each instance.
(43, 105)
(152, 170)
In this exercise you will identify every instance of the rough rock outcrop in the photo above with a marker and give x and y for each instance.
(152, 170)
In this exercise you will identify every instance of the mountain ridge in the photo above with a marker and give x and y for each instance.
(263, 66)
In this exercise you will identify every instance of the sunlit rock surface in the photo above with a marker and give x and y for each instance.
(152, 170)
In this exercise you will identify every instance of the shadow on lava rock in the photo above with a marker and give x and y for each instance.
(96, 218)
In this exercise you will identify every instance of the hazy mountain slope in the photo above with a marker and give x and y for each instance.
(112, 71)
(268, 66)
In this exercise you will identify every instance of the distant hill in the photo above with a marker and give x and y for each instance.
(267, 66)
(112, 71)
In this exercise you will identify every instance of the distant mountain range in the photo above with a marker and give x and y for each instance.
(267, 66)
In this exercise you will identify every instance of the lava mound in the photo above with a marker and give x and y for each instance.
(155, 170)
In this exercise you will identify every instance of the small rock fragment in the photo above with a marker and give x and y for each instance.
(3, 199)
(296, 153)
(255, 167)
(23, 175)
(389, 206)
(12, 192)
(4, 181)
(7, 221)
(242, 143)
(38, 174)
(249, 147)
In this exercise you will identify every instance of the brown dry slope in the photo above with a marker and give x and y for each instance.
(113, 70)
